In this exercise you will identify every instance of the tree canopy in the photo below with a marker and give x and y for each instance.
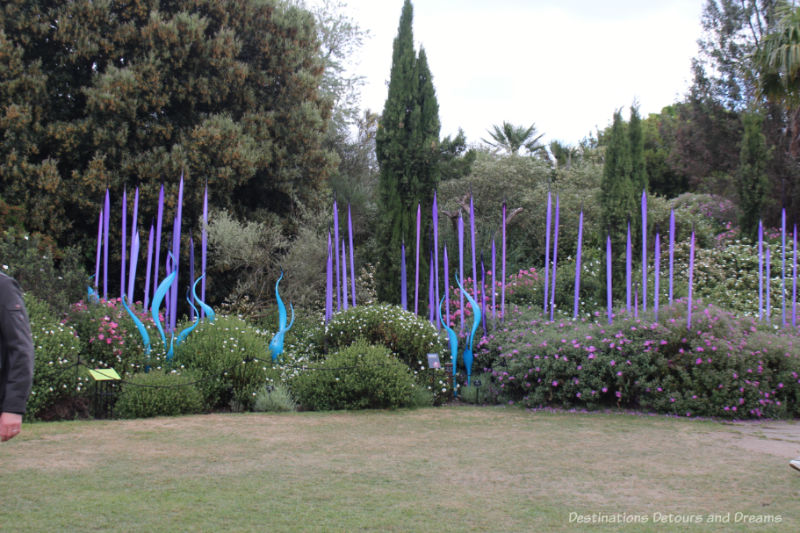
(97, 94)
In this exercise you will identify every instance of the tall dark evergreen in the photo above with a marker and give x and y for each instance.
(407, 149)
(752, 175)
(638, 163)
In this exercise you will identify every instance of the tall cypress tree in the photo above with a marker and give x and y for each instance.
(407, 149)
(617, 194)
(638, 164)
(752, 175)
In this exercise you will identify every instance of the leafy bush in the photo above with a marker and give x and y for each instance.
(361, 376)
(408, 336)
(59, 384)
(158, 393)
(723, 366)
(53, 276)
(231, 358)
(274, 398)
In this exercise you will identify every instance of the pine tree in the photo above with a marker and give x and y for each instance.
(407, 148)
(752, 176)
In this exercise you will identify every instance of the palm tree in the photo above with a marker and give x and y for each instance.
(511, 138)
(778, 63)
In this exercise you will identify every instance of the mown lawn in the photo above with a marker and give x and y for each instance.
(446, 469)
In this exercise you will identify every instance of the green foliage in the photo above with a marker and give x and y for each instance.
(231, 359)
(97, 94)
(409, 337)
(58, 382)
(360, 376)
(407, 149)
(274, 398)
(638, 163)
(511, 138)
(53, 276)
(617, 192)
(158, 393)
(753, 181)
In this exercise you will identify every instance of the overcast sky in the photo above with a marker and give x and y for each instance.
(564, 65)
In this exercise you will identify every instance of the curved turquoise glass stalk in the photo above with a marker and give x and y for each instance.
(453, 338)
(207, 311)
(276, 344)
(281, 307)
(139, 326)
(185, 333)
(158, 297)
(476, 320)
(91, 295)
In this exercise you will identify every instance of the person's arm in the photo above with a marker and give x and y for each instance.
(15, 332)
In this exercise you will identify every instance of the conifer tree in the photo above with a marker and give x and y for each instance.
(752, 175)
(638, 163)
(407, 149)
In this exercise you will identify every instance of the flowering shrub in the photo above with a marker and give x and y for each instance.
(408, 336)
(723, 366)
(158, 393)
(361, 376)
(231, 359)
(59, 385)
(109, 338)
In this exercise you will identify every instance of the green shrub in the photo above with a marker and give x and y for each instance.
(274, 398)
(59, 384)
(231, 358)
(158, 393)
(408, 336)
(361, 376)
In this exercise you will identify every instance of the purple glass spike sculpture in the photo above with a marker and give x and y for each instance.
(416, 271)
(644, 251)
(608, 277)
(578, 267)
(106, 213)
(203, 250)
(133, 261)
(768, 283)
(403, 282)
(122, 286)
(783, 267)
(344, 277)
(547, 256)
(483, 295)
(329, 282)
(494, 284)
(435, 218)
(134, 234)
(336, 256)
(176, 255)
(794, 278)
(628, 270)
(691, 282)
(461, 266)
(760, 271)
(431, 296)
(555, 264)
(191, 274)
(503, 276)
(99, 249)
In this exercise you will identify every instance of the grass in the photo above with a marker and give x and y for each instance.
(446, 469)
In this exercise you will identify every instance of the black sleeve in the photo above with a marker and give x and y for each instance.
(17, 347)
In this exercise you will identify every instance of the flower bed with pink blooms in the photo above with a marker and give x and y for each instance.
(719, 366)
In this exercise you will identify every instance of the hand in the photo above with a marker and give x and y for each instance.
(10, 425)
